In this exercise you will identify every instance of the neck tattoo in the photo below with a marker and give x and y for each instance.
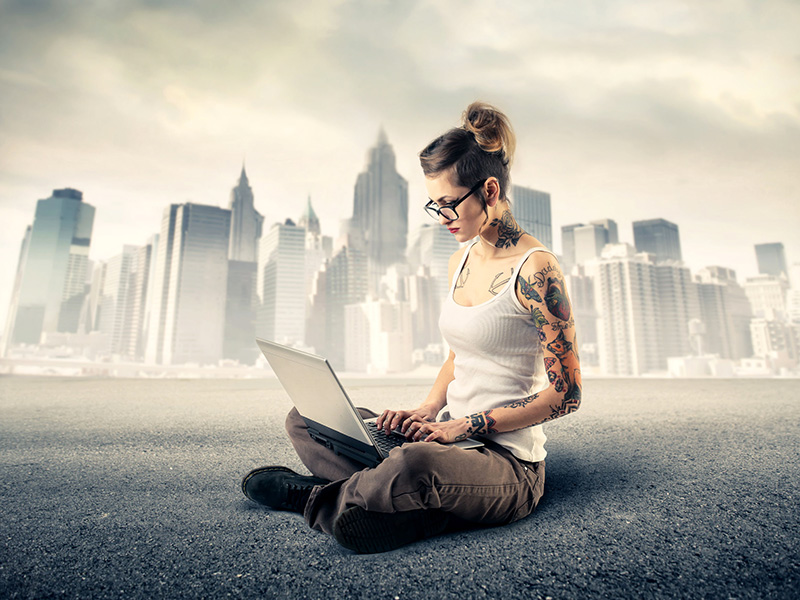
(508, 232)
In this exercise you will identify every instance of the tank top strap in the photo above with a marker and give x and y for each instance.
(460, 268)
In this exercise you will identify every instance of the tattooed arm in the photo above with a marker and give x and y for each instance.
(541, 290)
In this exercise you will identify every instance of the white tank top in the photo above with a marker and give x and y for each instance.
(498, 359)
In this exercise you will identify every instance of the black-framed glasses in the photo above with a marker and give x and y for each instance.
(448, 211)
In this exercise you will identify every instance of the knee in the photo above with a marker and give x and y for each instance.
(294, 422)
(420, 457)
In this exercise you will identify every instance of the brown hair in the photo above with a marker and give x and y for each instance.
(482, 147)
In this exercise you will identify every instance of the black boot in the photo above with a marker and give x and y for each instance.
(279, 488)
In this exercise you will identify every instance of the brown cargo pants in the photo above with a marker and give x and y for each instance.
(485, 486)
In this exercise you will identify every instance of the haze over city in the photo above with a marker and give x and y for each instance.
(674, 110)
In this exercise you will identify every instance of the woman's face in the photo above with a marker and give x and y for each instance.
(471, 216)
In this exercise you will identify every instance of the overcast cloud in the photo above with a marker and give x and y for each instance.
(625, 110)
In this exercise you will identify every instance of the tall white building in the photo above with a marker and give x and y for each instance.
(380, 211)
(627, 308)
(589, 241)
(725, 311)
(246, 222)
(116, 302)
(678, 303)
(378, 337)
(532, 211)
(766, 293)
(345, 282)
(281, 284)
(187, 313)
(50, 283)
(431, 246)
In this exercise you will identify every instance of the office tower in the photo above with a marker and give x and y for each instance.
(725, 311)
(345, 283)
(246, 222)
(141, 278)
(156, 309)
(425, 304)
(775, 340)
(677, 304)
(580, 287)
(380, 211)
(766, 293)
(659, 237)
(378, 337)
(771, 259)
(116, 302)
(241, 310)
(568, 246)
(589, 241)
(319, 249)
(531, 209)
(431, 246)
(50, 282)
(187, 315)
(317, 312)
(309, 220)
(281, 284)
(627, 309)
(610, 227)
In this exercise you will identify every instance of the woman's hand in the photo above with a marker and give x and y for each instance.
(392, 419)
(444, 432)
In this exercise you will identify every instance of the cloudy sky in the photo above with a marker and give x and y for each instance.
(627, 110)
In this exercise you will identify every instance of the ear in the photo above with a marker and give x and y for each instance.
(492, 190)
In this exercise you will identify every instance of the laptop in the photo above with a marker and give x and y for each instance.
(326, 408)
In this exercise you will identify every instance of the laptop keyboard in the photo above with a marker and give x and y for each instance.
(383, 441)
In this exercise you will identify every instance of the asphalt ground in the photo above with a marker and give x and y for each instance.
(655, 489)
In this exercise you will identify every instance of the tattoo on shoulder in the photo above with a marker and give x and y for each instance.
(556, 298)
(527, 290)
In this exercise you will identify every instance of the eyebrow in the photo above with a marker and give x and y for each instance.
(439, 201)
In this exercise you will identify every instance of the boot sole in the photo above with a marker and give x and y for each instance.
(368, 532)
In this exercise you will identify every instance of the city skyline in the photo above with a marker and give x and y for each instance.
(673, 111)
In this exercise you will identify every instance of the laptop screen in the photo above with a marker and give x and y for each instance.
(314, 389)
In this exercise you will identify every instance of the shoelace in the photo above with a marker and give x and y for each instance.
(297, 496)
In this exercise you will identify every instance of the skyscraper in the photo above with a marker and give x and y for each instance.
(568, 246)
(582, 242)
(246, 222)
(659, 237)
(532, 212)
(187, 316)
(345, 283)
(627, 308)
(380, 211)
(432, 246)
(50, 283)
(589, 242)
(725, 311)
(771, 259)
(281, 284)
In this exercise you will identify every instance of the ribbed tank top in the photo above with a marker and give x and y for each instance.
(498, 359)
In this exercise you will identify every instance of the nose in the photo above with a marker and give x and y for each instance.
(443, 220)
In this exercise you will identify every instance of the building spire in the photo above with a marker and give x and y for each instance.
(382, 137)
(243, 176)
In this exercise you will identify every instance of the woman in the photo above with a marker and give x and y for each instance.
(513, 365)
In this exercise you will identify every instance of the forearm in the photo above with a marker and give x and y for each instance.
(437, 397)
(526, 412)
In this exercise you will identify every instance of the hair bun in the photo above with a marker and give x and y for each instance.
(491, 128)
